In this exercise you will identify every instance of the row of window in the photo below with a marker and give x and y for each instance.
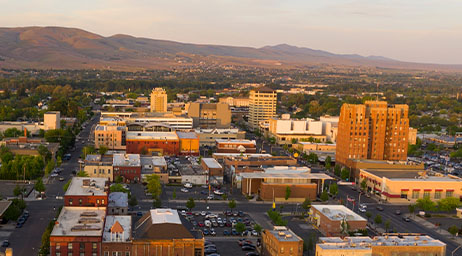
(71, 201)
(426, 193)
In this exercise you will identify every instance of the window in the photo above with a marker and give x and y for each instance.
(58, 254)
(437, 194)
(127, 253)
(70, 201)
(82, 246)
(80, 201)
(426, 194)
(106, 253)
(69, 254)
(69, 246)
(449, 193)
(58, 246)
(415, 194)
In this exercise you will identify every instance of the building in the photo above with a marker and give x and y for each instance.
(52, 120)
(234, 165)
(412, 136)
(127, 166)
(193, 173)
(78, 231)
(87, 192)
(29, 146)
(287, 131)
(117, 236)
(210, 115)
(380, 245)
(162, 232)
(309, 147)
(162, 143)
(271, 185)
(98, 166)
(154, 165)
(235, 102)
(330, 127)
(208, 137)
(110, 136)
(189, 143)
(407, 186)
(158, 100)
(125, 118)
(262, 105)
(372, 130)
(214, 169)
(331, 218)
(118, 203)
(236, 146)
(281, 241)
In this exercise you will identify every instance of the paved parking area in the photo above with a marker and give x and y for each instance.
(196, 192)
(230, 246)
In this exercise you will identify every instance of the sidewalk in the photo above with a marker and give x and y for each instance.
(440, 231)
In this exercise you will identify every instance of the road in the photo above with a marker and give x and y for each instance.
(27, 240)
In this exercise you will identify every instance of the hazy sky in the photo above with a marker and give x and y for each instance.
(410, 30)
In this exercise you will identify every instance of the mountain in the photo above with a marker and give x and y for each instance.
(71, 48)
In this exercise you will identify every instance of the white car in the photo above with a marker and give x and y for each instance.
(54, 175)
(218, 192)
(363, 206)
(203, 213)
(254, 233)
(362, 209)
(184, 190)
(207, 223)
(211, 216)
(188, 185)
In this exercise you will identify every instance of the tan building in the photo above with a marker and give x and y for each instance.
(330, 219)
(406, 186)
(330, 127)
(97, 166)
(262, 105)
(372, 130)
(210, 115)
(412, 136)
(413, 245)
(281, 241)
(208, 137)
(235, 102)
(52, 120)
(110, 136)
(307, 147)
(158, 100)
(236, 146)
(285, 130)
(357, 164)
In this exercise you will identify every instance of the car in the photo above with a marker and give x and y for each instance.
(226, 232)
(211, 216)
(248, 248)
(363, 206)
(205, 186)
(210, 251)
(5, 243)
(204, 192)
(21, 220)
(206, 232)
(201, 224)
(214, 223)
(184, 190)
(252, 254)
(207, 223)
(406, 219)
(54, 175)
(212, 232)
(240, 213)
(379, 208)
(234, 232)
(218, 192)
(203, 213)
(139, 214)
(19, 225)
(80, 161)
(254, 233)
(211, 197)
(210, 246)
(213, 254)
(194, 223)
(26, 213)
(398, 212)
(61, 178)
(368, 195)
(361, 209)
(188, 185)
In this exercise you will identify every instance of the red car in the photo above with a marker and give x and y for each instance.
(201, 224)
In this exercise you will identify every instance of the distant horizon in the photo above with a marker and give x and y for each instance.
(426, 31)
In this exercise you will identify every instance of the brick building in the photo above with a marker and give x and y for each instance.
(117, 236)
(281, 242)
(328, 218)
(164, 143)
(189, 143)
(110, 136)
(127, 166)
(88, 192)
(236, 146)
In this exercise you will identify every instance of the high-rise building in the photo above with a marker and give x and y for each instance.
(373, 130)
(262, 105)
(52, 120)
(210, 115)
(158, 100)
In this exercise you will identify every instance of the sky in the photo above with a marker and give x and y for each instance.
(427, 31)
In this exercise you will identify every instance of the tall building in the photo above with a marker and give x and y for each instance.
(210, 115)
(158, 100)
(373, 130)
(262, 105)
(52, 120)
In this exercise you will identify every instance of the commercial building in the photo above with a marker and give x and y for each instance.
(407, 186)
(286, 130)
(331, 219)
(330, 127)
(164, 143)
(208, 137)
(78, 231)
(158, 100)
(262, 105)
(98, 166)
(236, 146)
(52, 120)
(214, 169)
(238, 164)
(117, 236)
(380, 245)
(189, 143)
(281, 241)
(110, 136)
(210, 115)
(162, 232)
(118, 203)
(29, 146)
(87, 192)
(412, 136)
(154, 165)
(235, 102)
(127, 166)
(309, 147)
(372, 130)
(125, 118)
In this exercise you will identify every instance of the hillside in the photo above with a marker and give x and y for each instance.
(70, 48)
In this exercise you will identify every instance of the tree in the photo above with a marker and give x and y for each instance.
(368, 215)
(328, 162)
(345, 174)
(378, 219)
(387, 225)
(66, 186)
(102, 150)
(133, 201)
(18, 191)
(154, 187)
(240, 227)
(157, 203)
(364, 184)
(453, 230)
(426, 204)
(118, 179)
(288, 192)
(118, 188)
(324, 196)
(232, 204)
(313, 158)
(39, 186)
(333, 189)
(306, 205)
(82, 174)
(448, 204)
(44, 153)
(344, 226)
(257, 228)
(337, 170)
(224, 197)
(190, 204)
(174, 194)
(294, 141)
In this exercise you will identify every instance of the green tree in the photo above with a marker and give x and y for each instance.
(232, 204)
(368, 215)
(39, 186)
(59, 161)
(288, 192)
(118, 179)
(333, 189)
(448, 204)
(257, 228)
(240, 227)
(133, 201)
(426, 204)
(87, 150)
(44, 153)
(345, 175)
(157, 203)
(154, 187)
(364, 184)
(174, 194)
(294, 141)
(324, 196)
(313, 158)
(411, 208)
(378, 219)
(102, 150)
(18, 191)
(82, 174)
(387, 225)
(190, 204)
(224, 197)
(337, 170)
(453, 230)
(49, 167)
(306, 205)
(118, 188)
(66, 186)
(328, 162)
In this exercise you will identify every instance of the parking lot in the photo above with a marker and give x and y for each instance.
(196, 192)
(230, 246)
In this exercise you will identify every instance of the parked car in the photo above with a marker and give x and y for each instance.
(379, 207)
(207, 223)
(254, 233)
(248, 248)
(363, 205)
(211, 197)
(361, 209)
(252, 254)
(5, 243)
(406, 219)
(61, 178)
(206, 232)
(397, 212)
(184, 190)
(218, 192)
(188, 185)
(226, 232)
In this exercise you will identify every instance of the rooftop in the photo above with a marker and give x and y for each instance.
(186, 135)
(80, 221)
(153, 160)
(118, 199)
(87, 186)
(109, 127)
(338, 212)
(365, 242)
(116, 224)
(240, 155)
(287, 169)
(211, 163)
(93, 158)
(218, 131)
(236, 141)
(138, 135)
(126, 160)
(310, 176)
(284, 235)
(411, 175)
(4, 204)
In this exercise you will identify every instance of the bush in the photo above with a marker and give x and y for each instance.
(276, 218)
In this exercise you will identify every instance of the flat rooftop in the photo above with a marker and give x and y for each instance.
(365, 242)
(241, 155)
(126, 160)
(285, 235)
(218, 131)
(411, 175)
(118, 199)
(93, 158)
(160, 216)
(338, 212)
(82, 186)
(233, 141)
(153, 160)
(112, 127)
(138, 135)
(211, 163)
(311, 176)
(318, 144)
(187, 135)
(80, 221)
(287, 169)
(114, 224)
